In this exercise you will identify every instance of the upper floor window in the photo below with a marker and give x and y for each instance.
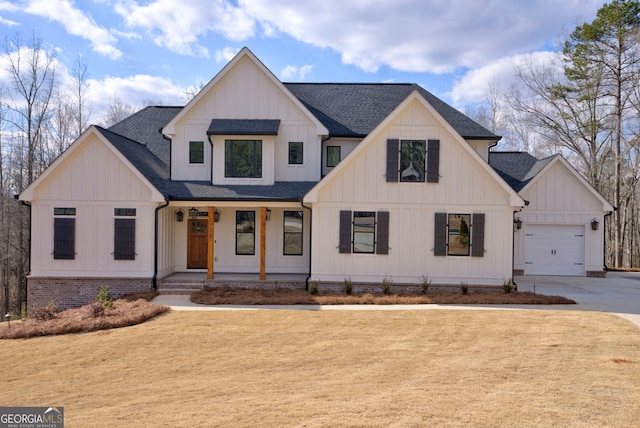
(333, 156)
(295, 153)
(243, 158)
(196, 151)
(412, 160)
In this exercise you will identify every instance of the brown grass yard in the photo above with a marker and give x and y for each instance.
(336, 368)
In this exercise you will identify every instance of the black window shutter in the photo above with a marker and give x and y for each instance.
(393, 146)
(433, 161)
(440, 235)
(382, 236)
(125, 239)
(64, 238)
(345, 232)
(477, 235)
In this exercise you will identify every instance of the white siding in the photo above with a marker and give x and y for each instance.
(94, 181)
(465, 186)
(558, 197)
(245, 92)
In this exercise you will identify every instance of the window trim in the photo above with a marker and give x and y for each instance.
(299, 144)
(364, 214)
(459, 233)
(418, 167)
(339, 149)
(257, 159)
(252, 232)
(285, 234)
(193, 150)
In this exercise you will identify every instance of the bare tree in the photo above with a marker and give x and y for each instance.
(117, 111)
(79, 76)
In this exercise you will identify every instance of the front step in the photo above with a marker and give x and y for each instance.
(180, 287)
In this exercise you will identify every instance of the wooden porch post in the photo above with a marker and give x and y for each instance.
(210, 241)
(263, 242)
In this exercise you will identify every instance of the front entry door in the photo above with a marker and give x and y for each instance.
(197, 244)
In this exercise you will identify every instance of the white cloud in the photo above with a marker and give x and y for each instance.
(226, 54)
(76, 23)
(179, 26)
(134, 90)
(8, 7)
(417, 35)
(471, 88)
(292, 72)
(7, 22)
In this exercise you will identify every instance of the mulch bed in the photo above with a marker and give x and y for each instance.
(242, 296)
(126, 311)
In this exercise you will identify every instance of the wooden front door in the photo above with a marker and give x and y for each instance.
(197, 244)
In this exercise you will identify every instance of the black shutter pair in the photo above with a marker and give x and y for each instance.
(433, 160)
(125, 239)
(477, 235)
(382, 232)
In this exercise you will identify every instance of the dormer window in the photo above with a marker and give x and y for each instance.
(243, 158)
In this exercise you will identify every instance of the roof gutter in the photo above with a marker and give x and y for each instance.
(154, 281)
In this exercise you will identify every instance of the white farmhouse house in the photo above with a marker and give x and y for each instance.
(263, 183)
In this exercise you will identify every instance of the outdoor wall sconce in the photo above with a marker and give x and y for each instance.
(595, 224)
(193, 213)
(179, 216)
(268, 214)
(517, 224)
(216, 216)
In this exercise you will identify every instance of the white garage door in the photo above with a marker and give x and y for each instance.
(554, 250)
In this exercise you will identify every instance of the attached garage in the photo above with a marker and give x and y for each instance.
(554, 250)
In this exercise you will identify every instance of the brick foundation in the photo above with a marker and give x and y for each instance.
(597, 273)
(75, 292)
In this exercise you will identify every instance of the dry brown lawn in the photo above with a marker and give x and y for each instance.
(336, 368)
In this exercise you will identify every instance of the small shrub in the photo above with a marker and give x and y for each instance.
(464, 287)
(386, 285)
(347, 286)
(95, 309)
(104, 297)
(44, 313)
(313, 287)
(425, 283)
(507, 286)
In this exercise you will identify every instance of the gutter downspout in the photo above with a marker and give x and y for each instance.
(154, 281)
(513, 250)
(306, 281)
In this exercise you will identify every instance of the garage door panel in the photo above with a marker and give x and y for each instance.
(554, 250)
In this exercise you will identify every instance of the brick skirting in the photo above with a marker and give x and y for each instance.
(75, 292)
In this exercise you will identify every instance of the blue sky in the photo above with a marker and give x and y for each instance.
(151, 50)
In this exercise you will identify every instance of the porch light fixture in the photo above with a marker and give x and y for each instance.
(595, 224)
(268, 214)
(193, 213)
(179, 216)
(517, 224)
(216, 216)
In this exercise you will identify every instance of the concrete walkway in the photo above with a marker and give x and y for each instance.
(618, 293)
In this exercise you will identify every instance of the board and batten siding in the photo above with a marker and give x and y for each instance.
(246, 93)
(94, 181)
(465, 186)
(558, 198)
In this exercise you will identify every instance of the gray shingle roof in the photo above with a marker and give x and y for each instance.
(346, 109)
(517, 168)
(355, 109)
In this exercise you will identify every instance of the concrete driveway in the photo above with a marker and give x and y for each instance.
(618, 293)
